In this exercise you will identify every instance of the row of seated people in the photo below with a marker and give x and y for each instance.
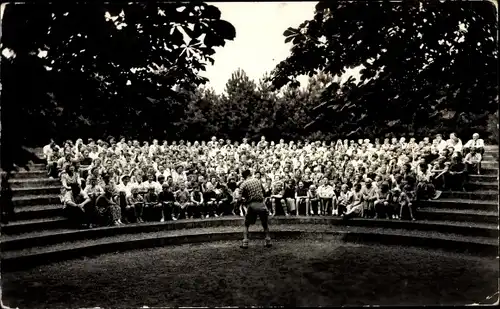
(96, 206)
(297, 178)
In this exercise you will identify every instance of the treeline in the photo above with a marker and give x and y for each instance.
(245, 109)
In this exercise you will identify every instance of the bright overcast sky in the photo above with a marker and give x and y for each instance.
(259, 44)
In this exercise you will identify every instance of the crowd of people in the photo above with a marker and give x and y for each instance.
(114, 182)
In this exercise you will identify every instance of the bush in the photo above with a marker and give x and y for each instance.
(492, 128)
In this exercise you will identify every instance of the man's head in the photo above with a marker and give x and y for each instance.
(475, 136)
(108, 190)
(246, 174)
(125, 179)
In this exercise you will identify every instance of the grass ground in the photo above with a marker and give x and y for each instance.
(293, 273)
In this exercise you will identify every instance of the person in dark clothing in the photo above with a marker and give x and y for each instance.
(78, 207)
(151, 205)
(196, 206)
(301, 199)
(167, 199)
(457, 175)
(289, 196)
(253, 195)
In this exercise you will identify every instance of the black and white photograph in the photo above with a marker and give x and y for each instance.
(249, 154)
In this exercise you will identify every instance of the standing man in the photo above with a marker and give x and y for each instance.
(253, 195)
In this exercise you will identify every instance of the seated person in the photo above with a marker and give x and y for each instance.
(79, 207)
(343, 200)
(289, 196)
(93, 190)
(137, 202)
(455, 142)
(52, 161)
(355, 207)
(326, 195)
(301, 198)
(313, 200)
(473, 161)
(438, 170)
(197, 202)
(108, 211)
(475, 143)
(69, 177)
(278, 198)
(382, 208)
(456, 176)
(153, 210)
(225, 199)
(369, 193)
(167, 200)
(210, 198)
(440, 142)
(399, 202)
(182, 200)
(85, 164)
(268, 191)
(425, 188)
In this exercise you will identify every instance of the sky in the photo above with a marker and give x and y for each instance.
(259, 44)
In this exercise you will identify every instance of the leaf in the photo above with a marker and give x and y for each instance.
(290, 31)
(224, 29)
(211, 12)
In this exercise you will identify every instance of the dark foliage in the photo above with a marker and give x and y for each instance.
(102, 74)
(424, 73)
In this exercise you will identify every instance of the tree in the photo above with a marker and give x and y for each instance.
(238, 106)
(427, 64)
(78, 69)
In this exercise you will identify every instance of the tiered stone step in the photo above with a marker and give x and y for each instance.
(21, 183)
(32, 200)
(466, 210)
(465, 215)
(15, 257)
(39, 191)
(488, 195)
(482, 185)
(454, 203)
(36, 201)
(38, 212)
(29, 174)
(31, 225)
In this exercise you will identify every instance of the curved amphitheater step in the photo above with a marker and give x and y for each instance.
(38, 212)
(51, 237)
(31, 200)
(33, 183)
(26, 258)
(464, 215)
